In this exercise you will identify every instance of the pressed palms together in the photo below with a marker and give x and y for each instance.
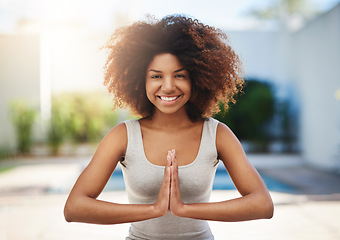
(169, 197)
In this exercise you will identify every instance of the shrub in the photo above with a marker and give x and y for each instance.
(23, 117)
(57, 129)
(82, 117)
(250, 116)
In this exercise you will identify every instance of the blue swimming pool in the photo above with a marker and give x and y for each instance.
(222, 181)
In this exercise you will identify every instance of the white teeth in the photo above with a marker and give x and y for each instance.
(168, 98)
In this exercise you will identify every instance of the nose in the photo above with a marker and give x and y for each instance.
(168, 84)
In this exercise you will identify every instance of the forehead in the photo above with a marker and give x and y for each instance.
(165, 61)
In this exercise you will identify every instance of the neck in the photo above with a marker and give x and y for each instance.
(170, 121)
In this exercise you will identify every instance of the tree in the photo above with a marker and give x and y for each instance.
(291, 14)
(23, 117)
(250, 116)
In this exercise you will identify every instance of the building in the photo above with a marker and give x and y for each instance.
(306, 60)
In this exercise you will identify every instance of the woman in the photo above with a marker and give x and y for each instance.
(172, 73)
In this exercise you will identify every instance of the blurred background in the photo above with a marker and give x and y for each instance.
(54, 109)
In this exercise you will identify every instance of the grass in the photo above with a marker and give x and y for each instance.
(6, 168)
(5, 153)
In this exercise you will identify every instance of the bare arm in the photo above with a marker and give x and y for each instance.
(255, 202)
(82, 204)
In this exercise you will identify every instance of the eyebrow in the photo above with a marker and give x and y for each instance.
(153, 70)
(179, 70)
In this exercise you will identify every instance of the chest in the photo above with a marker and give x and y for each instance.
(156, 145)
(143, 180)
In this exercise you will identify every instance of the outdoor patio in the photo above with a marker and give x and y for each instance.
(53, 102)
(32, 196)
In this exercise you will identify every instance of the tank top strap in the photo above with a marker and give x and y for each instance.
(209, 140)
(135, 141)
(134, 149)
(211, 129)
(133, 131)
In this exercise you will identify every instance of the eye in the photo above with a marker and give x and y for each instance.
(155, 76)
(180, 76)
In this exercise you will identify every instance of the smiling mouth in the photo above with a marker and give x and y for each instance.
(169, 99)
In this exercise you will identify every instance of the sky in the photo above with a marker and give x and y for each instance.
(102, 14)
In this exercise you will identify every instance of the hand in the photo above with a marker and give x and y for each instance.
(163, 202)
(176, 203)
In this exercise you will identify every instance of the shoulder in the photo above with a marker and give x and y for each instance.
(218, 126)
(225, 138)
(111, 147)
(118, 130)
(222, 128)
(211, 122)
(116, 138)
(123, 128)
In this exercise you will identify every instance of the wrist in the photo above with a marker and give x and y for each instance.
(180, 210)
(183, 210)
(157, 211)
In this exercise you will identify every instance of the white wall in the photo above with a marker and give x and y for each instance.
(33, 67)
(316, 61)
(76, 60)
(265, 56)
(309, 58)
(19, 78)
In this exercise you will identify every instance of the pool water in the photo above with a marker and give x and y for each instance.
(222, 181)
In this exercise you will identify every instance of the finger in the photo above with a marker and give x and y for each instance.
(165, 187)
(174, 160)
(167, 177)
(174, 186)
(163, 200)
(167, 167)
(167, 174)
(168, 186)
(169, 159)
(174, 176)
(173, 179)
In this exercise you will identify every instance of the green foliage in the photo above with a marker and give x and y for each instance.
(281, 9)
(249, 117)
(57, 130)
(81, 117)
(4, 152)
(288, 125)
(6, 168)
(23, 117)
(286, 11)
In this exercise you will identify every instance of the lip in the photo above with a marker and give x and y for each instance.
(166, 99)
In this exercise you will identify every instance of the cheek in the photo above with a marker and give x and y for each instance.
(193, 92)
(149, 89)
(149, 96)
(188, 90)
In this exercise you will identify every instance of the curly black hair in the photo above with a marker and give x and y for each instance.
(214, 68)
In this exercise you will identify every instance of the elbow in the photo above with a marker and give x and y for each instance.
(69, 212)
(264, 206)
(268, 208)
(270, 211)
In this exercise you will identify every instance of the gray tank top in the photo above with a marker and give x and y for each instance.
(143, 180)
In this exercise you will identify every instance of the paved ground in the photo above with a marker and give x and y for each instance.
(32, 196)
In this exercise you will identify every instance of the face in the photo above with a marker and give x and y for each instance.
(168, 86)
